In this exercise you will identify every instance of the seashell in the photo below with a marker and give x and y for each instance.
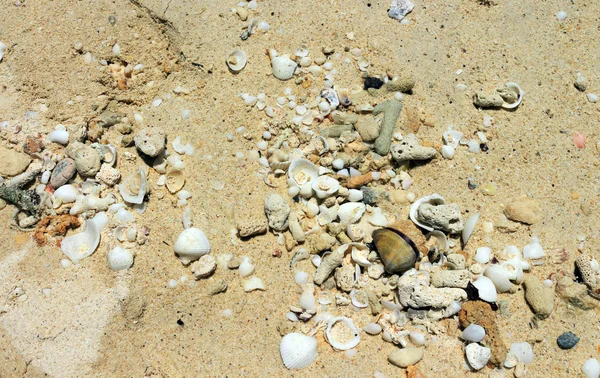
(325, 186)
(356, 301)
(301, 51)
(377, 218)
(360, 253)
(332, 339)
(252, 26)
(469, 227)
(486, 289)
(499, 276)
(254, 283)
(363, 108)
(397, 251)
(282, 67)
(434, 199)
(66, 193)
(351, 212)
(191, 244)
(344, 97)
(331, 96)
(302, 171)
(440, 243)
(236, 60)
(135, 187)
(452, 138)
(81, 245)
(355, 195)
(355, 232)
(175, 180)
(279, 159)
(119, 259)
(297, 350)
(514, 87)
(246, 268)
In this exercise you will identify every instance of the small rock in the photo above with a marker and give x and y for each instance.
(278, 211)
(567, 340)
(525, 210)
(87, 159)
(108, 175)
(539, 297)
(328, 264)
(344, 278)
(483, 100)
(450, 278)
(581, 83)
(367, 128)
(592, 97)
(216, 287)
(477, 356)
(405, 357)
(32, 145)
(234, 263)
(62, 173)
(402, 84)
(204, 267)
(150, 141)
(295, 228)
(409, 149)
(251, 226)
(12, 162)
(575, 294)
(458, 260)
(440, 217)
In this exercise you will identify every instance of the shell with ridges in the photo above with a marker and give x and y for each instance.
(397, 251)
(351, 212)
(297, 350)
(191, 244)
(302, 171)
(325, 186)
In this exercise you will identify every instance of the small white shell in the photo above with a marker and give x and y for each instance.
(135, 187)
(486, 289)
(469, 227)
(355, 232)
(325, 186)
(331, 96)
(338, 344)
(377, 218)
(59, 136)
(253, 283)
(282, 67)
(433, 199)
(351, 212)
(119, 259)
(355, 195)
(372, 328)
(303, 171)
(356, 302)
(360, 252)
(515, 88)
(81, 245)
(297, 350)
(499, 276)
(301, 51)
(175, 180)
(246, 268)
(66, 193)
(191, 244)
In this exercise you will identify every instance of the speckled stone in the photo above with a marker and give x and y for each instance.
(567, 340)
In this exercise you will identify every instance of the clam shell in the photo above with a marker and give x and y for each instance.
(297, 350)
(325, 186)
(302, 171)
(175, 180)
(279, 159)
(236, 60)
(331, 338)
(351, 212)
(119, 259)
(283, 67)
(398, 253)
(331, 96)
(191, 244)
(434, 199)
(135, 187)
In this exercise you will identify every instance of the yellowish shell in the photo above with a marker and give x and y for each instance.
(398, 253)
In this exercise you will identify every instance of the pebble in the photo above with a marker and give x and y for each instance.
(539, 297)
(12, 162)
(87, 159)
(150, 141)
(586, 208)
(477, 356)
(278, 211)
(567, 340)
(525, 210)
(592, 97)
(581, 83)
(405, 357)
(367, 128)
(204, 267)
(561, 15)
(474, 333)
(489, 189)
(591, 368)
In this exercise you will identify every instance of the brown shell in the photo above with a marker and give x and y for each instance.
(397, 251)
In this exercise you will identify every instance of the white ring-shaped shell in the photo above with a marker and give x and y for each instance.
(351, 212)
(303, 171)
(297, 350)
(434, 199)
(325, 186)
(236, 60)
(356, 302)
(301, 51)
(517, 89)
(191, 244)
(337, 344)
(135, 187)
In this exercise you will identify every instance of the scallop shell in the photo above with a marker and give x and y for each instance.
(338, 344)
(397, 251)
(236, 60)
(325, 186)
(351, 212)
(191, 244)
(434, 199)
(135, 187)
(175, 180)
(517, 89)
(302, 171)
(297, 350)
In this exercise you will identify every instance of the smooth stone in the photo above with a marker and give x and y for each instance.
(150, 141)
(62, 173)
(405, 357)
(12, 162)
(567, 340)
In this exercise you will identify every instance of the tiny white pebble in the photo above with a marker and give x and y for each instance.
(266, 135)
(172, 284)
(592, 97)
(338, 164)
(157, 102)
(230, 137)
(262, 145)
(186, 114)
(399, 96)
(116, 49)
(65, 263)
(239, 155)
(227, 313)
(561, 16)
(459, 72)
(138, 117)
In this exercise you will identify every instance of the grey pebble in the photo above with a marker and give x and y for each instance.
(567, 340)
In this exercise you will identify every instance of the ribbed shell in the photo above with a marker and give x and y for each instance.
(191, 244)
(298, 350)
(398, 253)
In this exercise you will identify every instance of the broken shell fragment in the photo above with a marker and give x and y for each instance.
(236, 60)
(297, 350)
(397, 251)
(134, 188)
(351, 212)
(81, 245)
(337, 338)
(282, 67)
(325, 186)
(512, 94)
(175, 180)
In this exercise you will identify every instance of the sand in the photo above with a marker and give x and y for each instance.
(94, 322)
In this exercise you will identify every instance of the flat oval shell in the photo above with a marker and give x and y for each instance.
(398, 253)
(175, 180)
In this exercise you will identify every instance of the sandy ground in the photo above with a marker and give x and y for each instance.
(94, 322)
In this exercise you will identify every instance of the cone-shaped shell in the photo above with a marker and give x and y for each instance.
(398, 253)
(298, 350)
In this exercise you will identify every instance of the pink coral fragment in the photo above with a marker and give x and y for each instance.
(579, 139)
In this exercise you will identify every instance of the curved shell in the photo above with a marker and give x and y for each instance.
(297, 350)
(360, 253)
(301, 51)
(302, 171)
(325, 186)
(434, 199)
(236, 60)
(175, 180)
(279, 159)
(332, 337)
(331, 96)
(191, 244)
(441, 241)
(517, 89)
(397, 251)
(499, 276)
(135, 187)
(81, 245)
(119, 259)
(351, 212)
(282, 67)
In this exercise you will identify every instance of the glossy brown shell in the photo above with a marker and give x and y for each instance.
(397, 251)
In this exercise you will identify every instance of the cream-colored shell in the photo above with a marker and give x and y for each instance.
(517, 89)
(236, 60)
(175, 180)
(302, 171)
(81, 245)
(282, 67)
(119, 258)
(297, 350)
(135, 187)
(351, 212)
(337, 344)
(433, 199)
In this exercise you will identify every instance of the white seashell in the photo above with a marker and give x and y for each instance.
(331, 96)
(325, 186)
(514, 273)
(448, 152)
(81, 245)
(246, 268)
(355, 232)
(66, 193)
(351, 212)
(533, 250)
(293, 191)
(591, 368)
(3, 48)
(477, 355)
(325, 298)
(301, 278)
(483, 254)
(417, 338)
(452, 138)
(135, 187)
(359, 254)
(469, 227)
(372, 328)
(253, 283)
(499, 276)
(282, 67)
(434, 199)
(291, 317)
(355, 195)
(307, 300)
(191, 244)
(315, 260)
(357, 302)
(263, 26)
(59, 136)
(312, 209)
(315, 70)
(297, 350)
(306, 191)
(522, 351)
(474, 333)
(331, 337)
(303, 171)
(486, 289)
(377, 218)
(119, 259)
(187, 217)
(175, 180)
(124, 216)
(515, 88)
(442, 240)
(305, 61)
(301, 51)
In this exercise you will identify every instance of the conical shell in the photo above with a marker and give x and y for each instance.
(398, 253)
(191, 244)
(298, 350)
